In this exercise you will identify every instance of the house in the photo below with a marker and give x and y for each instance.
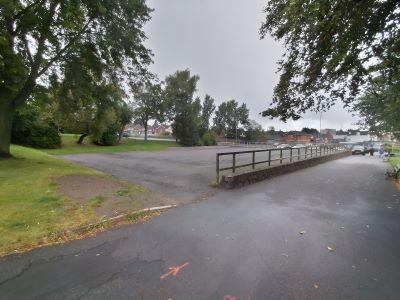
(298, 137)
(134, 129)
(161, 129)
(331, 131)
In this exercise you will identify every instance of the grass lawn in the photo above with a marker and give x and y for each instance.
(394, 161)
(69, 146)
(32, 208)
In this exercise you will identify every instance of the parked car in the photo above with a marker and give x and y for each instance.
(358, 149)
(125, 134)
(376, 146)
(298, 146)
(283, 146)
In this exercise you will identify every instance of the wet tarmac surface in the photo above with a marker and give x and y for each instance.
(326, 232)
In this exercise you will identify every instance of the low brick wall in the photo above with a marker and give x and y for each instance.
(233, 181)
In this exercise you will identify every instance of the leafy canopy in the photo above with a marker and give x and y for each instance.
(184, 111)
(333, 51)
(229, 116)
(37, 36)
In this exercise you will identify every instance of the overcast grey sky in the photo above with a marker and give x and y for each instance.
(219, 41)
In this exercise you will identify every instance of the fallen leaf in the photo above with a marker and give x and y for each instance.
(98, 254)
(329, 248)
(316, 286)
(342, 228)
(285, 255)
(302, 232)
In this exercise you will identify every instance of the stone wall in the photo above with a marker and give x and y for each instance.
(233, 181)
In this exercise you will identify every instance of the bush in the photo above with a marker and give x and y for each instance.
(105, 137)
(29, 130)
(209, 139)
(109, 138)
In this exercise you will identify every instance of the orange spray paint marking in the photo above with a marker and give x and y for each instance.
(229, 297)
(174, 271)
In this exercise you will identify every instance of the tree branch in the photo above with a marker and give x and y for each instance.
(28, 51)
(61, 52)
(27, 8)
(30, 82)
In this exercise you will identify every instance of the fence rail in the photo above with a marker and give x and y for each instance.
(275, 155)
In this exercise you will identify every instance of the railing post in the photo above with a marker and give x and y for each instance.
(233, 162)
(291, 153)
(217, 167)
(305, 153)
(281, 156)
(254, 160)
(269, 158)
(298, 154)
(311, 150)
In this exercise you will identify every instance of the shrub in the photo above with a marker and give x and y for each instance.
(208, 139)
(29, 130)
(105, 137)
(109, 138)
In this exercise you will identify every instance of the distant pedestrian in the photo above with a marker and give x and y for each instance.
(381, 151)
(371, 151)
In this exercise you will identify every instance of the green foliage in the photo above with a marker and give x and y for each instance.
(333, 50)
(183, 110)
(207, 110)
(30, 130)
(125, 114)
(88, 44)
(109, 137)
(253, 131)
(149, 103)
(104, 129)
(229, 116)
(208, 139)
(310, 131)
(379, 107)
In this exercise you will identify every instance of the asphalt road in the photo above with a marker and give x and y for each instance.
(185, 174)
(243, 243)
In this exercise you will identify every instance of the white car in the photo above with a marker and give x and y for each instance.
(283, 146)
(358, 149)
(298, 146)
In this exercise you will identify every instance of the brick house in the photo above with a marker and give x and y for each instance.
(298, 137)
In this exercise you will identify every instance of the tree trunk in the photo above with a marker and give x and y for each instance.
(6, 117)
(121, 131)
(145, 131)
(81, 138)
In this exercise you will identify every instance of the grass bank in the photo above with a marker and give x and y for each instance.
(69, 146)
(32, 208)
(394, 161)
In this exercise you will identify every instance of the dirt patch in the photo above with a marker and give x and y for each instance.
(107, 196)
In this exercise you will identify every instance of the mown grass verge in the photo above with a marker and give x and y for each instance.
(69, 146)
(32, 211)
(394, 161)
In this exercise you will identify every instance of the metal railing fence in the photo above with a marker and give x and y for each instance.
(275, 155)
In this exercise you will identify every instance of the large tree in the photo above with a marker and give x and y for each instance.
(184, 111)
(149, 103)
(41, 36)
(379, 108)
(334, 50)
(207, 109)
(229, 116)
